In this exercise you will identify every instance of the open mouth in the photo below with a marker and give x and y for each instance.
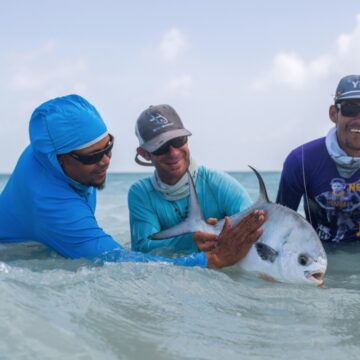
(315, 276)
(355, 130)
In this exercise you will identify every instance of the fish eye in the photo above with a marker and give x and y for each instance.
(303, 259)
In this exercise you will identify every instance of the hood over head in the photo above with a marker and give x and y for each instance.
(65, 124)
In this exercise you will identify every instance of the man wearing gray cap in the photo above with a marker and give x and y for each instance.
(51, 195)
(161, 201)
(326, 171)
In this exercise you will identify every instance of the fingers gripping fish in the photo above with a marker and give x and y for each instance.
(289, 250)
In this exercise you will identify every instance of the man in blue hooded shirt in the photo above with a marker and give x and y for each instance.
(51, 195)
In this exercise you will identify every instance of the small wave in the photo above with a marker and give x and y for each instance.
(4, 268)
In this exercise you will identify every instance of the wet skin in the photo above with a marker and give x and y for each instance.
(90, 175)
(347, 130)
(170, 166)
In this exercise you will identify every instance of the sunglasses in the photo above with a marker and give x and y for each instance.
(175, 143)
(96, 156)
(349, 109)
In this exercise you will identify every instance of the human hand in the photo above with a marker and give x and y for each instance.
(206, 241)
(233, 243)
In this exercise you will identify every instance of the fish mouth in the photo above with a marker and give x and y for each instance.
(316, 277)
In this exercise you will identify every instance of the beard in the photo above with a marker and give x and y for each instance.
(100, 186)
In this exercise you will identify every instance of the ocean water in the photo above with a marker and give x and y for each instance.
(54, 308)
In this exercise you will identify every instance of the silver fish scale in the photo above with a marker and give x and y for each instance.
(285, 232)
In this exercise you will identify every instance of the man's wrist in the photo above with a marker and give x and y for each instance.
(210, 259)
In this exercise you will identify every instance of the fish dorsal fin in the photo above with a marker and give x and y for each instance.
(266, 252)
(194, 207)
(263, 196)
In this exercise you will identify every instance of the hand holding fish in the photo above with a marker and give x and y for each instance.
(233, 243)
(288, 250)
(205, 241)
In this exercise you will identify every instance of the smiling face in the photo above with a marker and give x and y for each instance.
(170, 166)
(347, 129)
(87, 174)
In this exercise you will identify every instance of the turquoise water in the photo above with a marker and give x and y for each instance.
(54, 308)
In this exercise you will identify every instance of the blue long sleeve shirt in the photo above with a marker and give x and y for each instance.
(41, 203)
(219, 195)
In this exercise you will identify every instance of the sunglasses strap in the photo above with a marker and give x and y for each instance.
(142, 163)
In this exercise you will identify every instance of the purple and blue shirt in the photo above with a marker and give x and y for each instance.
(331, 202)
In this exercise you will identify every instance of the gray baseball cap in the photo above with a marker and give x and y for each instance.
(157, 125)
(348, 88)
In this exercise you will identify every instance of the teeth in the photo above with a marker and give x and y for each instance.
(355, 130)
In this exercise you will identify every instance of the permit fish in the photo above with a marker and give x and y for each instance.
(289, 250)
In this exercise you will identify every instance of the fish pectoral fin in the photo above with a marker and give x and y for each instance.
(267, 277)
(266, 252)
(185, 227)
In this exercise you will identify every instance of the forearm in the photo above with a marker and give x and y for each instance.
(122, 255)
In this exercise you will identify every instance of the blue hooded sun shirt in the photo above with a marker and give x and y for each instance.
(40, 203)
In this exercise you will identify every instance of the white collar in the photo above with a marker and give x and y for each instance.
(180, 189)
(346, 165)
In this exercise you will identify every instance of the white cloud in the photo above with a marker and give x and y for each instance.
(173, 43)
(348, 50)
(343, 43)
(181, 85)
(320, 67)
(43, 68)
(290, 70)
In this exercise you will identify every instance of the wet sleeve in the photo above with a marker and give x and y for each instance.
(69, 227)
(72, 231)
(122, 255)
(291, 187)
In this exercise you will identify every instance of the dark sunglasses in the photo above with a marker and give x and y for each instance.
(175, 143)
(349, 109)
(96, 156)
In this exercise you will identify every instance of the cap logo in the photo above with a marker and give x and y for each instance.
(159, 122)
(355, 83)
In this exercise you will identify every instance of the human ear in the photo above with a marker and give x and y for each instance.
(333, 114)
(146, 155)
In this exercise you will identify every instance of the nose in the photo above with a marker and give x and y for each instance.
(173, 150)
(105, 160)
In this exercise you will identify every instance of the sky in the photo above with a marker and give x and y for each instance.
(250, 79)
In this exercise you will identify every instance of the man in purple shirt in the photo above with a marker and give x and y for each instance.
(326, 171)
